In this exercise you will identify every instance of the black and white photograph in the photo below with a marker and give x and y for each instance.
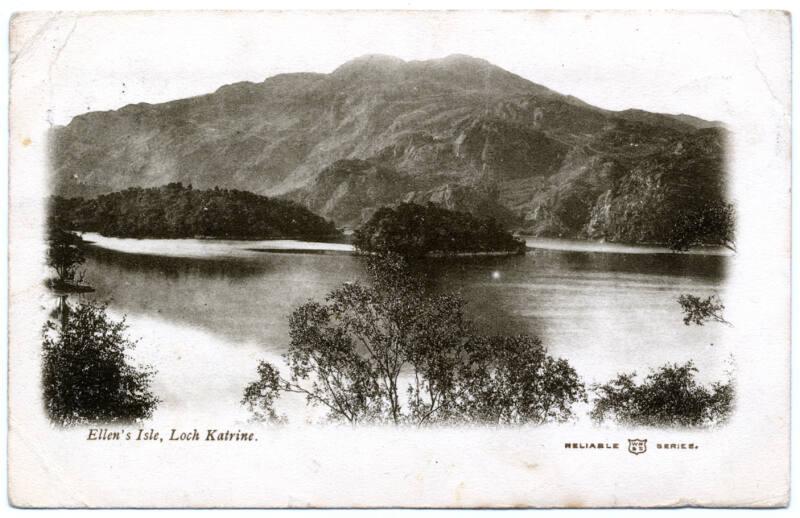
(399, 259)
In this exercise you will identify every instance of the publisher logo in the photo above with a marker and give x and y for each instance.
(637, 446)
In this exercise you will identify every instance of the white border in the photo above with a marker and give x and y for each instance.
(13, 5)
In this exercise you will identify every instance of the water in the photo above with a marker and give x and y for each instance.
(579, 245)
(207, 311)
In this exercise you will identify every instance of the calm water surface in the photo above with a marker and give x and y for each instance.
(604, 312)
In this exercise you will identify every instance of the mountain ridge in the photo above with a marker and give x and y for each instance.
(457, 131)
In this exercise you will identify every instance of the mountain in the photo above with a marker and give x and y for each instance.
(458, 131)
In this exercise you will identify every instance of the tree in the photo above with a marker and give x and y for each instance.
(699, 311)
(668, 396)
(512, 380)
(414, 231)
(65, 255)
(260, 396)
(391, 352)
(177, 211)
(87, 375)
(711, 224)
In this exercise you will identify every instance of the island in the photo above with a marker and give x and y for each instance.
(415, 231)
(178, 211)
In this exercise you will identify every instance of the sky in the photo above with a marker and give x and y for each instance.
(664, 62)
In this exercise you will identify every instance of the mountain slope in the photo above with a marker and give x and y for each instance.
(457, 131)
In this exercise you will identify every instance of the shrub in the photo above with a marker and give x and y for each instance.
(87, 374)
(668, 396)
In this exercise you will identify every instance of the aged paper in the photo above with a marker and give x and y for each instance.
(399, 259)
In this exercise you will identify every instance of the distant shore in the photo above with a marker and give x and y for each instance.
(584, 245)
(232, 248)
(209, 248)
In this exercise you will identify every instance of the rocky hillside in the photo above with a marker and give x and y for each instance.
(457, 131)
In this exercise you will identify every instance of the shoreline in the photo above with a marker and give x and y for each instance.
(204, 247)
(606, 247)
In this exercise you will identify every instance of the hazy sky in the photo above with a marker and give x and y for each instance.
(675, 63)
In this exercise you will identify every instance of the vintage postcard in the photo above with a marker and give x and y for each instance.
(468, 259)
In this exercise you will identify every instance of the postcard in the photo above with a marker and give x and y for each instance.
(411, 259)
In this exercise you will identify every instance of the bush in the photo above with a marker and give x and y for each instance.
(668, 396)
(347, 354)
(87, 376)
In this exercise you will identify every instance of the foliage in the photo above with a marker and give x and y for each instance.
(699, 311)
(175, 211)
(260, 397)
(393, 353)
(668, 396)
(87, 375)
(413, 230)
(710, 224)
(64, 255)
(512, 380)
(671, 194)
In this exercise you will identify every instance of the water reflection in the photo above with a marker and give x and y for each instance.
(604, 313)
(175, 267)
(708, 267)
(560, 296)
(245, 299)
(61, 308)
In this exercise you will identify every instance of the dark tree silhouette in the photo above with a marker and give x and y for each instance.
(65, 255)
(412, 230)
(87, 374)
(712, 224)
(178, 211)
